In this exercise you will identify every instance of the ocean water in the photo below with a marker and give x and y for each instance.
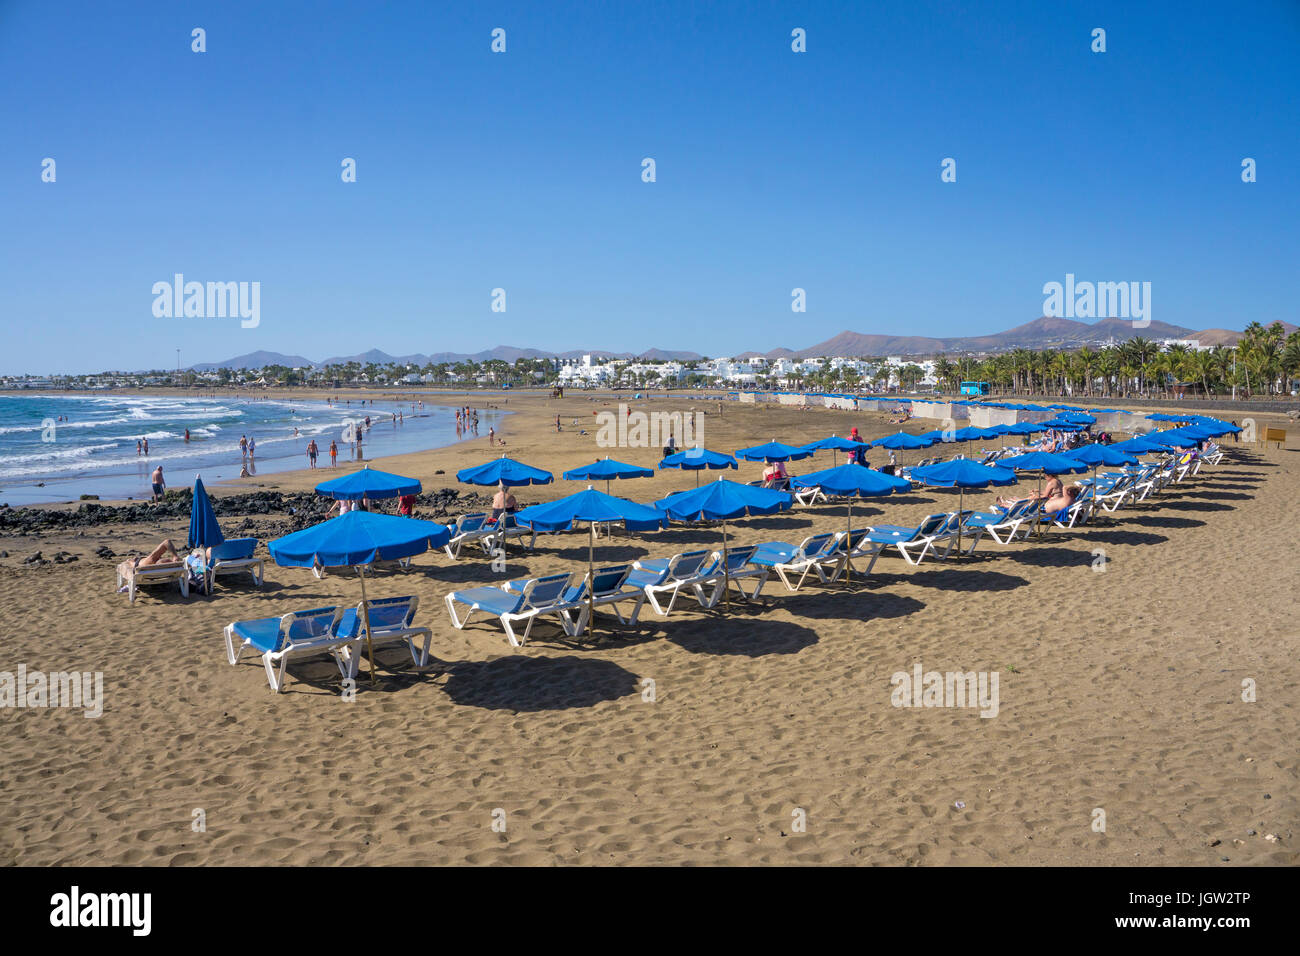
(45, 459)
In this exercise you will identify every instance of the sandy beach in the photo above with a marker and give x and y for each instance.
(1120, 690)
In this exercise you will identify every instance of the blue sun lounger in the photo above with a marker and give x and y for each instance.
(300, 634)
(537, 596)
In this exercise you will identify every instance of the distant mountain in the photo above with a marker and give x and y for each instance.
(255, 360)
(1042, 333)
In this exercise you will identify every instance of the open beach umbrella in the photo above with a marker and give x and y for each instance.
(606, 469)
(356, 539)
(852, 481)
(697, 459)
(902, 440)
(369, 483)
(1044, 463)
(772, 451)
(204, 530)
(593, 507)
(962, 473)
(834, 443)
(720, 500)
(1177, 438)
(505, 471)
(1096, 455)
(1141, 445)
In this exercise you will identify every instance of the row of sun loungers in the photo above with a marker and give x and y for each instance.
(701, 576)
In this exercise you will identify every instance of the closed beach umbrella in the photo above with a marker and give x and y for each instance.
(204, 530)
(852, 481)
(697, 459)
(369, 483)
(722, 500)
(504, 471)
(592, 507)
(962, 473)
(606, 469)
(356, 539)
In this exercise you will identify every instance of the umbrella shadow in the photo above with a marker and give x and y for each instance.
(741, 637)
(1168, 521)
(532, 684)
(852, 603)
(1049, 556)
(1119, 536)
(1219, 495)
(955, 577)
(1185, 505)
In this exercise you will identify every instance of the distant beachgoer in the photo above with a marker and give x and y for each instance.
(159, 486)
(252, 447)
(775, 474)
(557, 423)
(312, 452)
(243, 446)
(670, 446)
(146, 446)
(139, 450)
(406, 505)
(334, 453)
(243, 470)
(492, 437)
(187, 436)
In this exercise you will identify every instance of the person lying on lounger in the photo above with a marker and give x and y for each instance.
(1052, 489)
(153, 559)
(1053, 506)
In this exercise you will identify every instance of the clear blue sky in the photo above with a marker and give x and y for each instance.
(522, 170)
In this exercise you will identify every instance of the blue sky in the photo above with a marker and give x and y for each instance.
(522, 171)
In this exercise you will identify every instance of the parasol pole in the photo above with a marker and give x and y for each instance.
(591, 576)
(365, 622)
(848, 544)
(961, 497)
(726, 569)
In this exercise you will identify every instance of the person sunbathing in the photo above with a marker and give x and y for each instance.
(1050, 490)
(775, 474)
(1061, 502)
(153, 559)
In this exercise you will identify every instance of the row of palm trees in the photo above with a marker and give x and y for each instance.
(1263, 362)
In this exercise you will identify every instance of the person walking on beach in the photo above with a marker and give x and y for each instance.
(138, 450)
(159, 486)
(312, 452)
(243, 446)
(492, 436)
(252, 447)
(334, 453)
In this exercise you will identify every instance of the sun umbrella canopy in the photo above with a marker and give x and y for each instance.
(1062, 425)
(961, 434)
(1176, 438)
(1046, 462)
(902, 440)
(1025, 428)
(505, 471)
(1140, 445)
(204, 530)
(696, 459)
(589, 505)
(369, 483)
(721, 500)
(606, 469)
(1094, 455)
(358, 537)
(834, 443)
(852, 481)
(773, 451)
(963, 473)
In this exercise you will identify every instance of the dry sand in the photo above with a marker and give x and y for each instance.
(1119, 690)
